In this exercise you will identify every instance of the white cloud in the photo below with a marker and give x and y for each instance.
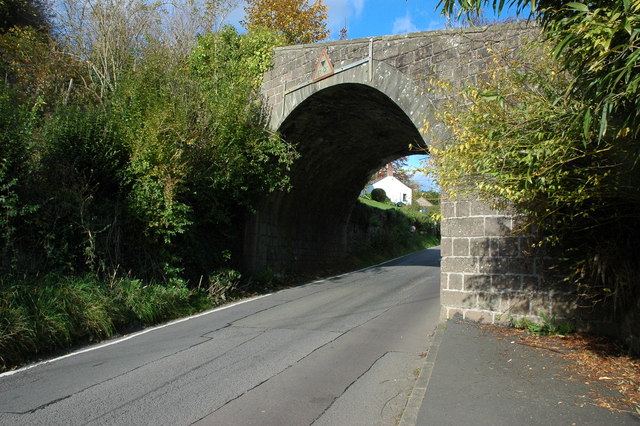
(339, 10)
(358, 5)
(435, 24)
(404, 25)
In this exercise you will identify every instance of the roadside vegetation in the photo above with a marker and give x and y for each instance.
(554, 132)
(132, 145)
(385, 231)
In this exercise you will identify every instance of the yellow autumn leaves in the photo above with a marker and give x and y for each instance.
(297, 20)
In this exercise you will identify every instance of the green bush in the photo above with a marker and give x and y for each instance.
(223, 283)
(378, 234)
(379, 195)
(124, 199)
(52, 314)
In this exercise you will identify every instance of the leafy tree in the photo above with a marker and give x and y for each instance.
(296, 20)
(106, 35)
(33, 66)
(16, 128)
(185, 20)
(432, 196)
(153, 176)
(397, 167)
(200, 152)
(597, 42)
(24, 13)
(554, 132)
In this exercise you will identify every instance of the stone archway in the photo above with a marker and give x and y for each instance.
(365, 113)
(344, 130)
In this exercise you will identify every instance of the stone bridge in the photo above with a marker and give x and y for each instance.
(351, 107)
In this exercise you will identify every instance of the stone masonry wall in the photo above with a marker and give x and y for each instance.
(485, 274)
(457, 55)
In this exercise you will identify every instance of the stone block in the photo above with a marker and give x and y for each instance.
(463, 227)
(455, 281)
(423, 52)
(540, 302)
(462, 208)
(497, 226)
(476, 67)
(451, 312)
(514, 303)
(386, 51)
(480, 208)
(439, 57)
(482, 317)
(446, 246)
(452, 54)
(478, 44)
(530, 283)
(460, 246)
(458, 299)
(477, 282)
(439, 46)
(480, 247)
(404, 69)
(508, 247)
(564, 305)
(404, 60)
(488, 301)
(504, 282)
(448, 209)
(506, 265)
(461, 265)
(464, 48)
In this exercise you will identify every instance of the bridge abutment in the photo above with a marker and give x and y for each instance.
(489, 273)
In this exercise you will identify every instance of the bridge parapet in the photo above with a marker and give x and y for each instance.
(456, 55)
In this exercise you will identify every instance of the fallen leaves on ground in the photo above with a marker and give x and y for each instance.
(597, 359)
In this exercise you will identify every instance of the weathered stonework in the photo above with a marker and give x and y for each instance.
(485, 272)
(369, 113)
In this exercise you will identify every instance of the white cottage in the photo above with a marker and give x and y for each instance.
(396, 191)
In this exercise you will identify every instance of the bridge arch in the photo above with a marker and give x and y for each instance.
(364, 114)
(387, 80)
(345, 127)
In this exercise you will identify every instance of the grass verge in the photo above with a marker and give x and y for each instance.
(53, 314)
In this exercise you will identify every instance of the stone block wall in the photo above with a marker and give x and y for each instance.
(457, 55)
(488, 273)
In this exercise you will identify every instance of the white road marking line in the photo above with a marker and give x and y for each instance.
(131, 336)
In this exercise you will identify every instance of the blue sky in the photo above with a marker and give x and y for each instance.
(368, 18)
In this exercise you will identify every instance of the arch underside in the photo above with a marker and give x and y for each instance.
(343, 133)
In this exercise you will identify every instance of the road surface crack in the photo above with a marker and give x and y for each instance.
(349, 386)
(173, 379)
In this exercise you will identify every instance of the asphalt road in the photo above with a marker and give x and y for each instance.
(340, 351)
